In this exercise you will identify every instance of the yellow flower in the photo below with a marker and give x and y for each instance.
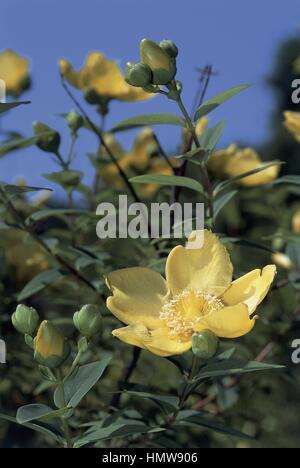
(283, 261)
(14, 71)
(296, 222)
(104, 77)
(26, 258)
(235, 161)
(198, 294)
(143, 158)
(292, 123)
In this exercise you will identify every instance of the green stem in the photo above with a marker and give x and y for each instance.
(65, 424)
(74, 365)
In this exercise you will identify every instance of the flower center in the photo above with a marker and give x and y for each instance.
(185, 310)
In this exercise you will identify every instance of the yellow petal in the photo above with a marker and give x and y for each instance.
(144, 146)
(201, 126)
(292, 123)
(138, 296)
(251, 289)
(156, 341)
(208, 269)
(68, 73)
(228, 322)
(14, 70)
(296, 222)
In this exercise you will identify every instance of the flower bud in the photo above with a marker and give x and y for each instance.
(162, 65)
(25, 319)
(91, 96)
(75, 121)
(51, 347)
(49, 140)
(88, 320)
(138, 74)
(205, 344)
(169, 47)
(283, 261)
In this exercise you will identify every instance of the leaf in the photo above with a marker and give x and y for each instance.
(262, 168)
(216, 101)
(247, 243)
(69, 180)
(43, 428)
(55, 213)
(196, 418)
(233, 367)
(39, 282)
(19, 189)
(6, 106)
(293, 251)
(121, 429)
(166, 402)
(288, 179)
(211, 137)
(82, 382)
(36, 412)
(196, 156)
(222, 201)
(166, 180)
(18, 143)
(148, 120)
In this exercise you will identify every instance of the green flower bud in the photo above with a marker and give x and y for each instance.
(88, 320)
(138, 74)
(51, 347)
(25, 319)
(162, 65)
(75, 121)
(49, 140)
(205, 344)
(169, 47)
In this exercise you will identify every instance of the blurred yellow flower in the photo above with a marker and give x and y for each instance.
(234, 161)
(292, 123)
(104, 77)
(198, 294)
(14, 71)
(283, 261)
(296, 222)
(26, 257)
(142, 159)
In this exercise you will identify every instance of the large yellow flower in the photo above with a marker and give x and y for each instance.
(102, 76)
(235, 161)
(142, 159)
(292, 123)
(198, 294)
(14, 71)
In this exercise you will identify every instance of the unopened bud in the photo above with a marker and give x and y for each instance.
(51, 347)
(170, 47)
(25, 319)
(88, 320)
(75, 121)
(138, 74)
(162, 65)
(49, 139)
(205, 344)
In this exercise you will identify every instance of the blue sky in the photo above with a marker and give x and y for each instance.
(238, 38)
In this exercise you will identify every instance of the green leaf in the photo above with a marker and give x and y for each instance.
(55, 213)
(166, 402)
(19, 189)
(222, 201)
(233, 367)
(288, 179)
(211, 137)
(293, 251)
(69, 180)
(262, 168)
(119, 429)
(196, 156)
(39, 282)
(148, 120)
(6, 106)
(17, 144)
(216, 101)
(166, 180)
(37, 412)
(43, 428)
(247, 243)
(82, 382)
(196, 418)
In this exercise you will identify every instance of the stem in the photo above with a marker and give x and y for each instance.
(65, 424)
(128, 371)
(74, 365)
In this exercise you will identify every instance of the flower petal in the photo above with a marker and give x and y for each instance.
(159, 343)
(228, 322)
(138, 296)
(251, 289)
(132, 335)
(208, 269)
